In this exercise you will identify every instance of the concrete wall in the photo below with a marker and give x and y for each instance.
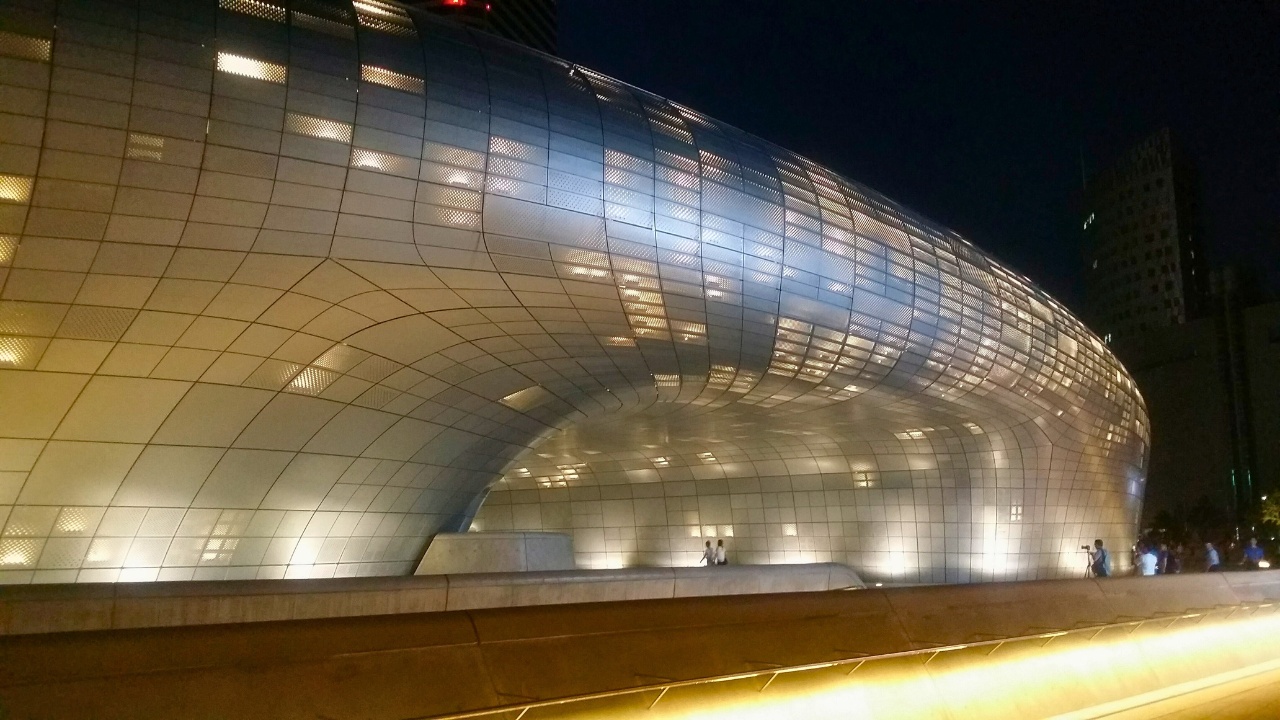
(440, 664)
(65, 608)
(496, 552)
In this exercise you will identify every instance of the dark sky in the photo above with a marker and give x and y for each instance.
(976, 113)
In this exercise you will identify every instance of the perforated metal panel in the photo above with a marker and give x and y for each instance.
(278, 303)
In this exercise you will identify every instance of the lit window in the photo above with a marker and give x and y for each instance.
(250, 68)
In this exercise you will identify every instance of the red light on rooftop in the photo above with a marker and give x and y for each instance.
(455, 2)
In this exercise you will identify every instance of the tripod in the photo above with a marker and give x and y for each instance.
(1088, 563)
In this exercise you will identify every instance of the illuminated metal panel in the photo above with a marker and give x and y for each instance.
(250, 68)
(294, 320)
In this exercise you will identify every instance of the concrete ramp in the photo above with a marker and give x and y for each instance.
(106, 606)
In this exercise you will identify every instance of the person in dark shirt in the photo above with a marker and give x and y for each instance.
(1101, 564)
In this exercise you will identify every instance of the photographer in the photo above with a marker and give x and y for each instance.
(1099, 559)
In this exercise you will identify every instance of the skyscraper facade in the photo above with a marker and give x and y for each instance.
(1144, 265)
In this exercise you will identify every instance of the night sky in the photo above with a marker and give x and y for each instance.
(977, 114)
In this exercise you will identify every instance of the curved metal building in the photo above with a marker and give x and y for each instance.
(288, 286)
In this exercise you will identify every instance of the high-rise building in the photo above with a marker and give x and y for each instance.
(530, 22)
(1211, 387)
(1145, 268)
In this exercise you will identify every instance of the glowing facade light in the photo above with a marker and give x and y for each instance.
(311, 381)
(145, 147)
(381, 162)
(256, 8)
(1126, 672)
(318, 127)
(390, 78)
(15, 188)
(16, 351)
(8, 248)
(26, 46)
(251, 68)
(526, 399)
(384, 17)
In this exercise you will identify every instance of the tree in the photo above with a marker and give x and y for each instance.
(1270, 512)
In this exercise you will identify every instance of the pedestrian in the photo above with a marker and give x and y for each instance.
(1175, 559)
(1147, 560)
(1252, 554)
(1101, 564)
(1162, 560)
(720, 556)
(1212, 562)
(708, 555)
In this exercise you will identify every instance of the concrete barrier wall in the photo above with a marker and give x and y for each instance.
(491, 552)
(426, 665)
(65, 608)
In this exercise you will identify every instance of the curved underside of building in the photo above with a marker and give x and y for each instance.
(289, 287)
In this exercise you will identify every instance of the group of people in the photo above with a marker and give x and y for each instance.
(1158, 559)
(714, 555)
(1153, 559)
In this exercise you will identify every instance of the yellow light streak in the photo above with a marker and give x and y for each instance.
(1071, 681)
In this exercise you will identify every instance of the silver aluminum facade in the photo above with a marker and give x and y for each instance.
(286, 289)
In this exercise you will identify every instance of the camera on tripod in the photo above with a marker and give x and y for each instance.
(1085, 547)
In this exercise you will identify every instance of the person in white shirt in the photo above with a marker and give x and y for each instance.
(1147, 560)
(708, 555)
(720, 556)
(1212, 562)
